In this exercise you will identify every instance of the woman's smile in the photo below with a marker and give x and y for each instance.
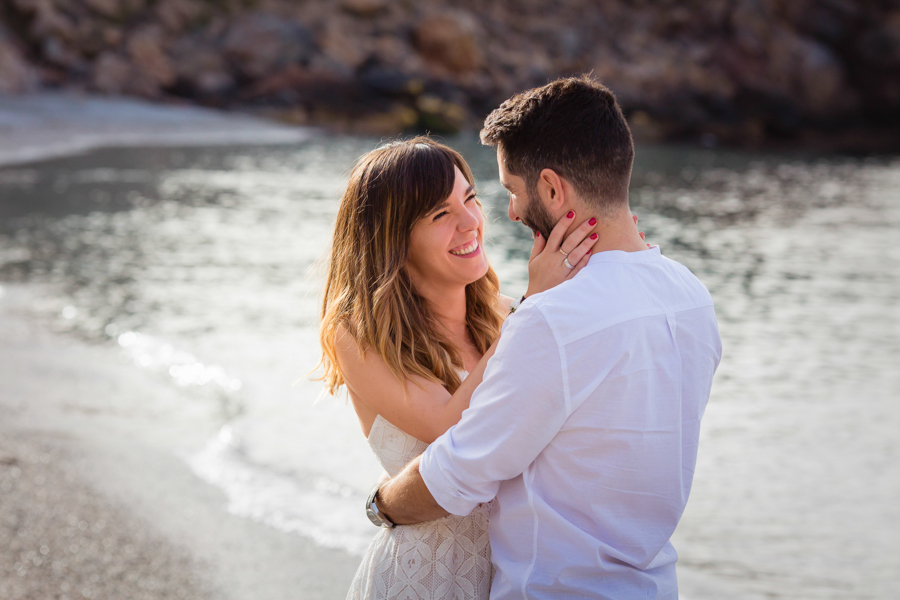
(467, 250)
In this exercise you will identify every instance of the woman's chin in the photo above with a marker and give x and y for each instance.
(479, 272)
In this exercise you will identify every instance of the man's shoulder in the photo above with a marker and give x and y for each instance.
(608, 294)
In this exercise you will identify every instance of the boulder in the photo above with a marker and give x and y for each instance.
(108, 8)
(47, 20)
(450, 41)
(200, 69)
(261, 43)
(364, 8)
(178, 15)
(438, 115)
(822, 84)
(154, 70)
(16, 75)
(343, 45)
(111, 73)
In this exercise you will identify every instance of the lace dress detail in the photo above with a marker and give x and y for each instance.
(449, 558)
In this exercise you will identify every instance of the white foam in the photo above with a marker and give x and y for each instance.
(313, 506)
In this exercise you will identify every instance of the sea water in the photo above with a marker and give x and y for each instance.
(204, 265)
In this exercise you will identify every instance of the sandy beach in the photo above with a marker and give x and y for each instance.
(96, 500)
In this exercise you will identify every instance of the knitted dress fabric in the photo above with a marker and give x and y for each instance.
(449, 558)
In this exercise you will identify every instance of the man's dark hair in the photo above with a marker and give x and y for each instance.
(573, 126)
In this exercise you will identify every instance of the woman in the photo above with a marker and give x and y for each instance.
(411, 313)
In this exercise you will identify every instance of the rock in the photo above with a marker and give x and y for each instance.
(111, 73)
(154, 69)
(364, 8)
(262, 43)
(439, 116)
(108, 8)
(61, 54)
(201, 71)
(821, 78)
(450, 41)
(178, 15)
(644, 128)
(112, 36)
(751, 26)
(16, 75)
(385, 80)
(343, 45)
(397, 119)
(47, 21)
(881, 47)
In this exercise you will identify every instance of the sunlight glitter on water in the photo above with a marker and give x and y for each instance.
(206, 263)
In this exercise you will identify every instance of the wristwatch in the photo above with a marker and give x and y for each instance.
(376, 516)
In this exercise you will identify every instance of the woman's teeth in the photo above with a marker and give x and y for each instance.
(467, 249)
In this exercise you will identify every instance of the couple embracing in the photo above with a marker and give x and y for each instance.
(536, 448)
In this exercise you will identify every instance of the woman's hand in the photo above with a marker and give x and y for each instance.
(547, 264)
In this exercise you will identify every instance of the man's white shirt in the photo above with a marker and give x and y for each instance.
(585, 429)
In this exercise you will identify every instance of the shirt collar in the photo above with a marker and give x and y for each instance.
(620, 256)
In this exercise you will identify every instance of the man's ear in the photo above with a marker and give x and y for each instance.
(551, 189)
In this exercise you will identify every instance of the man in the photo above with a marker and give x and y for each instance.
(586, 425)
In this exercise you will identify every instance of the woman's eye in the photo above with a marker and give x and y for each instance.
(439, 215)
(470, 198)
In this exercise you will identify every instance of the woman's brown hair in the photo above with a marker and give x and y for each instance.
(368, 290)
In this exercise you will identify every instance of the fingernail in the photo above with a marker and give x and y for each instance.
(593, 236)
(537, 234)
(592, 222)
(570, 214)
(589, 251)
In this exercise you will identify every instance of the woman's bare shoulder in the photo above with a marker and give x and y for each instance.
(505, 302)
(414, 405)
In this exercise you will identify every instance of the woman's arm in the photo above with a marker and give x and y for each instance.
(423, 409)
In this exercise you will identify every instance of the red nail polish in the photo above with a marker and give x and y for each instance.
(570, 214)
(537, 234)
(592, 222)
(593, 236)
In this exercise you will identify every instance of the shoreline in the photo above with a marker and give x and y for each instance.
(41, 126)
(66, 542)
(87, 438)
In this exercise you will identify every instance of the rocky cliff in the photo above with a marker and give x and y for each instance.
(734, 71)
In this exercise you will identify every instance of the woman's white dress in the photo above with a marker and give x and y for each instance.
(449, 558)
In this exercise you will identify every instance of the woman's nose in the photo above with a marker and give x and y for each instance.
(468, 220)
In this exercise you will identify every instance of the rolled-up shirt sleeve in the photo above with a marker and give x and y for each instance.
(513, 415)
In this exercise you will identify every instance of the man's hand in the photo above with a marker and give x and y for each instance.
(405, 499)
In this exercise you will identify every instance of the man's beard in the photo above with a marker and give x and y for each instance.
(536, 216)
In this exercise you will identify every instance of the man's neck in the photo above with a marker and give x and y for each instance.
(617, 232)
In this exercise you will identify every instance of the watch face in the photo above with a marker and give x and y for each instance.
(373, 516)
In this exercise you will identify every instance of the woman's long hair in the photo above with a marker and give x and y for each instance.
(368, 290)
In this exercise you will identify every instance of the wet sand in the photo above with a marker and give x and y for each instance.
(87, 438)
(61, 540)
(96, 500)
(48, 125)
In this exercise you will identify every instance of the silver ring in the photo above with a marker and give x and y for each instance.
(566, 262)
(564, 252)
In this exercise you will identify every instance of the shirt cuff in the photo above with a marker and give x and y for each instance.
(442, 488)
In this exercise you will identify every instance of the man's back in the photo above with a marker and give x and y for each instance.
(589, 415)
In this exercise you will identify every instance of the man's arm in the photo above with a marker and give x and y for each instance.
(514, 414)
(405, 499)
